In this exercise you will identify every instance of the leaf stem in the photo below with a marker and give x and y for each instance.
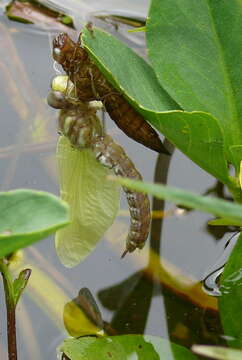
(235, 189)
(10, 306)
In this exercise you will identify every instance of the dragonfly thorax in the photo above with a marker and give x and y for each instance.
(81, 127)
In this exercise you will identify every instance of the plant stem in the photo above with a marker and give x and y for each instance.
(10, 306)
(235, 189)
(12, 341)
(160, 177)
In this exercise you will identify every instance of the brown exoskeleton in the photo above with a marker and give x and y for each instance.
(91, 85)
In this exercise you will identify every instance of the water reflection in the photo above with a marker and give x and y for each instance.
(211, 281)
(126, 288)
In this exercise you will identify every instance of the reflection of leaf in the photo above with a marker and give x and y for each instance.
(165, 272)
(188, 323)
(31, 12)
(131, 299)
(93, 202)
(28, 216)
(230, 301)
(217, 352)
(124, 347)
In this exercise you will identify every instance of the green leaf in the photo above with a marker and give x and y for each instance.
(236, 152)
(217, 207)
(230, 301)
(28, 216)
(222, 222)
(197, 134)
(123, 348)
(93, 201)
(139, 29)
(134, 77)
(20, 284)
(194, 48)
(217, 352)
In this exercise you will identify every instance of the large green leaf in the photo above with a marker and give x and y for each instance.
(28, 216)
(194, 47)
(197, 134)
(94, 202)
(230, 301)
(124, 347)
(215, 206)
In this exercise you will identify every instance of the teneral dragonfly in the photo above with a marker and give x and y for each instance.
(79, 123)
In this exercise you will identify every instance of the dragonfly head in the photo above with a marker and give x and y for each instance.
(57, 100)
(63, 48)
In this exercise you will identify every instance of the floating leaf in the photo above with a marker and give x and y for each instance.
(82, 316)
(28, 216)
(124, 347)
(93, 200)
(197, 134)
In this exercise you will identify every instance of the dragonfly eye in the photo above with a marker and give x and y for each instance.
(57, 100)
(57, 55)
(61, 46)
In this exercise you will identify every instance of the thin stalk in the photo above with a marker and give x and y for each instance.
(160, 177)
(10, 306)
(235, 190)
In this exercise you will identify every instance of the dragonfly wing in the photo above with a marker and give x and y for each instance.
(93, 201)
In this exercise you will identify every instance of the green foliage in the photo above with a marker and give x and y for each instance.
(195, 68)
(217, 207)
(222, 222)
(123, 348)
(195, 59)
(230, 301)
(93, 200)
(197, 134)
(19, 284)
(28, 216)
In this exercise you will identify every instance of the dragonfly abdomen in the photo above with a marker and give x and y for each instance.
(111, 155)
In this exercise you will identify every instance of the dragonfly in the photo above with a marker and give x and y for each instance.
(90, 84)
(79, 123)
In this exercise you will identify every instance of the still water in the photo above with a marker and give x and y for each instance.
(128, 298)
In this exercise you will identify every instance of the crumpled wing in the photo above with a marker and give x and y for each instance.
(93, 201)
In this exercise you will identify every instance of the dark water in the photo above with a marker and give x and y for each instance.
(27, 160)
